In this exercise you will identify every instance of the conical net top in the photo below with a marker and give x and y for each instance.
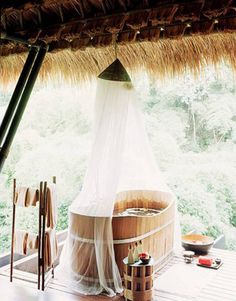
(115, 72)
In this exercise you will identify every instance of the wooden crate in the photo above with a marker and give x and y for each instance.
(138, 280)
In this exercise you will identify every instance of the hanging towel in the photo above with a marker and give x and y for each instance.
(20, 242)
(26, 197)
(32, 241)
(51, 248)
(32, 197)
(21, 196)
(51, 207)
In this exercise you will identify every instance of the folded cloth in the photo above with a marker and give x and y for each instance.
(26, 197)
(51, 207)
(21, 196)
(32, 197)
(20, 242)
(51, 248)
(32, 241)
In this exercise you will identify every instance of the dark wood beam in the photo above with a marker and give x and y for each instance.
(18, 4)
(71, 22)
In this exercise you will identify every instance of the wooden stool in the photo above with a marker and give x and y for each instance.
(138, 281)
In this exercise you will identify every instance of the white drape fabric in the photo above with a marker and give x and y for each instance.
(122, 166)
(139, 170)
(100, 185)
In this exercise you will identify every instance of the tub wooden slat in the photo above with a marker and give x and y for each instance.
(159, 243)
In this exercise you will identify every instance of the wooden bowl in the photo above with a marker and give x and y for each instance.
(198, 243)
(145, 260)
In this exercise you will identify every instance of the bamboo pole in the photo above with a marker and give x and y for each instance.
(22, 105)
(18, 91)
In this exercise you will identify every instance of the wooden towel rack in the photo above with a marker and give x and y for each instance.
(41, 233)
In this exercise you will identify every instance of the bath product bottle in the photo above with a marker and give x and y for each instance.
(136, 253)
(130, 255)
(140, 247)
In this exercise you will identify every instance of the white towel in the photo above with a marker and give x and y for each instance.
(26, 197)
(32, 197)
(51, 207)
(32, 241)
(20, 242)
(21, 195)
(51, 248)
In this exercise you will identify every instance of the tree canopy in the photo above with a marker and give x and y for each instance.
(191, 123)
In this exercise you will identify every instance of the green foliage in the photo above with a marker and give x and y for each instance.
(192, 128)
(64, 218)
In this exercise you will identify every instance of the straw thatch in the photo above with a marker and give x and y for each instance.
(165, 37)
(166, 57)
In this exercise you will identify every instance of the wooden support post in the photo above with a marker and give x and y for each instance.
(4, 150)
(17, 92)
(43, 233)
(40, 234)
(54, 180)
(13, 229)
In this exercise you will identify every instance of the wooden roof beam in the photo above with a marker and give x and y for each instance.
(54, 27)
(61, 13)
(90, 19)
(186, 30)
(16, 4)
(125, 4)
(3, 21)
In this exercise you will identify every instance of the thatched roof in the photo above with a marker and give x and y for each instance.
(163, 36)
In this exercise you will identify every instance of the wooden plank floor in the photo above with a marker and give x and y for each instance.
(23, 291)
(221, 288)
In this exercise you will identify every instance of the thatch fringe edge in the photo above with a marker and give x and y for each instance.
(164, 58)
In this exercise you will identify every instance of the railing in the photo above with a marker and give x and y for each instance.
(28, 263)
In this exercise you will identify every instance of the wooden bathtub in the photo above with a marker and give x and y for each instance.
(156, 233)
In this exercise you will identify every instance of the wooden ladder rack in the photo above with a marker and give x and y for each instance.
(41, 234)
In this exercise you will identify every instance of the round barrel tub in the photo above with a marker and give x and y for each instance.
(156, 233)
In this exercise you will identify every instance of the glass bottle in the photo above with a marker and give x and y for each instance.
(136, 253)
(140, 247)
(130, 255)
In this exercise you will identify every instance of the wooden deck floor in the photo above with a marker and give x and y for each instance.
(221, 287)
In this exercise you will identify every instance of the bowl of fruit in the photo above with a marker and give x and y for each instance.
(144, 257)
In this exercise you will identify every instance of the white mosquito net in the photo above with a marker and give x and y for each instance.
(121, 165)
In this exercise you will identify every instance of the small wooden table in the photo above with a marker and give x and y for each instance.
(138, 281)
